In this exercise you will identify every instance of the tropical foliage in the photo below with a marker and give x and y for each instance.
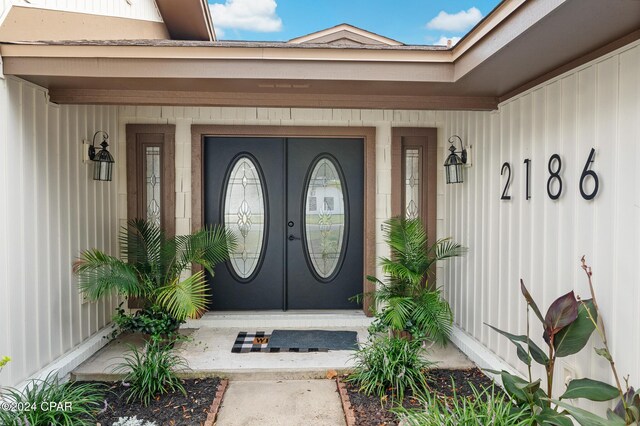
(154, 267)
(390, 364)
(52, 402)
(567, 327)
(408, 300)
(486, 408)
(152, 371)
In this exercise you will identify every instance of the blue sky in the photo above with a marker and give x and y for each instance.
(408, 21)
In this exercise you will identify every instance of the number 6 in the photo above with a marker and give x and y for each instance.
(585, 173)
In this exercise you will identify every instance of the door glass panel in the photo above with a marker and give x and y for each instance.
(412, 183)
(325, 217)
(244, 214)
(152, 172)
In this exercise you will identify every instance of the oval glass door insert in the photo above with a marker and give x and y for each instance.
(244, 215)
(325, 218)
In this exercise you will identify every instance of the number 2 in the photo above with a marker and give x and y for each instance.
(506, 166)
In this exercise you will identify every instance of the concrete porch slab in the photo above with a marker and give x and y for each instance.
(208, 353)
(279, 319)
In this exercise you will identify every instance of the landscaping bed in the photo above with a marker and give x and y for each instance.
(370, 410)
(172, 409)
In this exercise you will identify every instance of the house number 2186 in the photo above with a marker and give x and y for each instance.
(554, 182)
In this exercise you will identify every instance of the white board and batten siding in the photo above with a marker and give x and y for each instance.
(134, 9)
(541, 240)
(51, 209)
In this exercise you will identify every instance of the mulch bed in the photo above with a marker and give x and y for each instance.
(371, 411)
(174, 409)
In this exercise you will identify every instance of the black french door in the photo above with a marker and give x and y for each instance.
(296, 208)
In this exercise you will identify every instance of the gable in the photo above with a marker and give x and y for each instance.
(345, 34)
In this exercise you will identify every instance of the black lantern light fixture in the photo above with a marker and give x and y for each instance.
(102, 159)
(453, 164)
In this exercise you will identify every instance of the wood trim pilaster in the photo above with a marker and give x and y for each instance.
(427, 139)
(368, 134)
(135, 178)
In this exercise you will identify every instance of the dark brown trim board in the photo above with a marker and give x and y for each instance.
(368, 134)
(427, 140)
(139, 136)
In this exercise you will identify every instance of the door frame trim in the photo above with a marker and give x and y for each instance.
(368, 134)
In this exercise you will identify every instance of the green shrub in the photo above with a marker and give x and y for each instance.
(51, 402)
(409, 302)
(152, 372)
(153, 321)
(483, 409)
(153, 265)
(393, 364)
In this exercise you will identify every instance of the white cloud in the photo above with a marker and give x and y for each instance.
(457, 22)
(252, 15)
(442, 41)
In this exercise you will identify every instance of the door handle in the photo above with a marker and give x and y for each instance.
(293, 237)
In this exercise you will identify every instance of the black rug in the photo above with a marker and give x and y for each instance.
(318, 340)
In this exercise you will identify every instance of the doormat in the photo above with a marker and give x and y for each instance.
(260, 342)
(326, 339)
(251, 342)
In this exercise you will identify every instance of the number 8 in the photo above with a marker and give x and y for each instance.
(554, 175)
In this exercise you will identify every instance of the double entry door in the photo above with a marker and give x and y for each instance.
(295, 206)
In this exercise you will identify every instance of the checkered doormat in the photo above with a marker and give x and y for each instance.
(251, 342)
(259, 342)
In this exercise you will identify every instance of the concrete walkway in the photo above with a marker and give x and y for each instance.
(281, 402)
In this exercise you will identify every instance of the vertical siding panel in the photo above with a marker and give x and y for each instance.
(66, 215)
(18, 309)
(481, 161)
(505, 211)
(552, 229)
(55, 237)
(628, 210)
(539, 245)
(75, 227)
(5, 288)
(525, 237)
(472, 305)
(493, 195)
(516, 242)
(605, 249)
(584, 210)
(40, 166)
(30, 248)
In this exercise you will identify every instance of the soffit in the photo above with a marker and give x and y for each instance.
(187, 19)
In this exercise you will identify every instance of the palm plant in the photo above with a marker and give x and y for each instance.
(154, 267)
(408, 302)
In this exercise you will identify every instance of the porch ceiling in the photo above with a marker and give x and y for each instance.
(512, 49)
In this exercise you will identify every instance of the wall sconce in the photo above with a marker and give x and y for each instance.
(102, 159)
(453, 164)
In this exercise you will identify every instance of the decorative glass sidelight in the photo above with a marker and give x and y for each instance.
(325, 217)
(412, 184)
(152, 171)
(244, 214)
